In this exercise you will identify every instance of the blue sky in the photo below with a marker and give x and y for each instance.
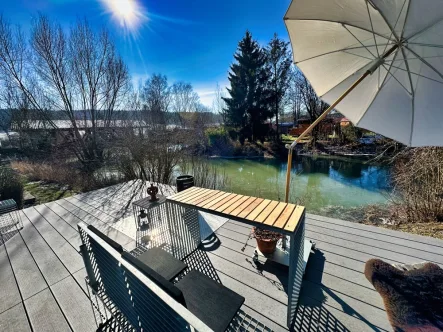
(188, 40)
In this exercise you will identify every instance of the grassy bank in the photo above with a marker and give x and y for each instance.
(47, 192)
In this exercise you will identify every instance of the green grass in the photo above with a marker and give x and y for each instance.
(285, 138)
(47, 192)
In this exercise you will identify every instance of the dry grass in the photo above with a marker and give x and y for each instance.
(64, 175)
(418, 179)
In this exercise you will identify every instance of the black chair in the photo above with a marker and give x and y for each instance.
(214, 304)
(157, 259)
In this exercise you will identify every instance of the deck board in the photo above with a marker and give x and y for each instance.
(47, 261)
(68, 232)
(66, 253)
(10, 295)
(14, 319)
(29, 278)
(331, 291)
(45, 314)
(74, 304)
(335, 293)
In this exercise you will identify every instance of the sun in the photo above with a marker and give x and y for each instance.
(130, 14)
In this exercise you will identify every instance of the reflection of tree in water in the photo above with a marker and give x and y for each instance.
(310, 165)
(369, 177)
(348, 169)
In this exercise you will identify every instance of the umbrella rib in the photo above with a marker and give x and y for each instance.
(348, 24)
(424, 61)
(409, 71)
(419, 75)
(396, 22)
(360, 56)
(386, 21)
(426, 45)
(395, 78)
(426, 28)
(372, 27)
(344, 26)
(406, 19)
(379, 88)
(424, 57)
(332, 52)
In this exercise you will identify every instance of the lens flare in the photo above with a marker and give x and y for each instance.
(130, 14)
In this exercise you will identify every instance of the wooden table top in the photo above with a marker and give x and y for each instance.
(274, 215)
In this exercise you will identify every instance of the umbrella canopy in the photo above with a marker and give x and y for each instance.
(400, 43)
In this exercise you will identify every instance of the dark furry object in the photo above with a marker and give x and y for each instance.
(413, 299)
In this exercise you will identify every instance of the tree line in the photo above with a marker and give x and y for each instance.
(265, 85)
(77, 75)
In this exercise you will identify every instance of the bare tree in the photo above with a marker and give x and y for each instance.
(279, 60)
(219, 104)
(312, 104)
(156, 99)
(76, 72)
(84, 77)
(293, 96)
(183, 100)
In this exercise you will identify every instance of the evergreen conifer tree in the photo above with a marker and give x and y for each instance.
(248, 105)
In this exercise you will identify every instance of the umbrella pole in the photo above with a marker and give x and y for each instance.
(312, 126)
(377, 63)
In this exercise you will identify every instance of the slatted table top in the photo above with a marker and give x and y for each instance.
(274, 215)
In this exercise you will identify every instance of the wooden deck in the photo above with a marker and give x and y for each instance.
(42, 275)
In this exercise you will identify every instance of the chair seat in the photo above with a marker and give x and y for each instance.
(162, 262)
(211, 302)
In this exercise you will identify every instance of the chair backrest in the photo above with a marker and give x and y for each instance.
(118, 247)
(161, 282)
(104, 257)
(145, 303)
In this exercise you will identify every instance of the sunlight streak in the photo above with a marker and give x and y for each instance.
(129, 14)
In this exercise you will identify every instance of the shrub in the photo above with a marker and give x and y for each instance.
(67, 174)
(10, 186)
(216, 136)
(418, 179)
(351, 133)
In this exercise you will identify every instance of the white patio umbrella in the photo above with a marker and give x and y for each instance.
(378, 62)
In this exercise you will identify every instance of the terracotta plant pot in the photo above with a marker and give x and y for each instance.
(266, 246)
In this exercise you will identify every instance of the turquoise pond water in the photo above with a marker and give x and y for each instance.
(317, 182)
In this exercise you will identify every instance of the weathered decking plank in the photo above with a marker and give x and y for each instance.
(47, 261)
(45, 314)
(380, 240)
(435, 245)
(14, 319)
(29, 278)
(334, 291)
(69, 233)
(9, 294)
(77, 214)
(75, 305)
(66, 253)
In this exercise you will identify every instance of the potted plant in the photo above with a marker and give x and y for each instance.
(266, 240)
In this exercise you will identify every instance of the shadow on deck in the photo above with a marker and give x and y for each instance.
(42, 273)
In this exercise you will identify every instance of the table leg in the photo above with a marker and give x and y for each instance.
(184, 229)
(296, 269)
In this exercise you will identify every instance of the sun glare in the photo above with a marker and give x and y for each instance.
(128, 13)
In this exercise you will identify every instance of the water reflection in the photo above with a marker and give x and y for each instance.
(317, 181)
